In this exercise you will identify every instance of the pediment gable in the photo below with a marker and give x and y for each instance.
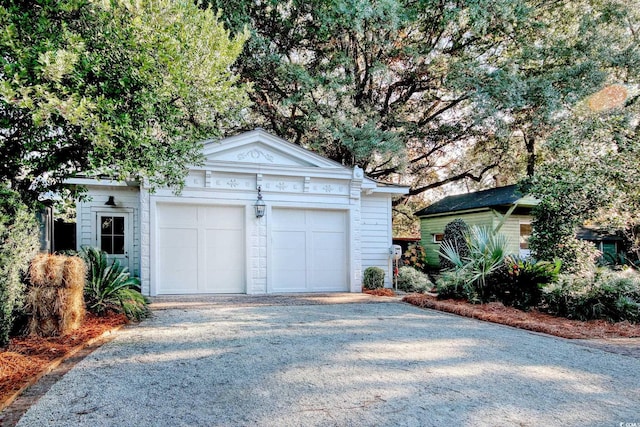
(263, 148)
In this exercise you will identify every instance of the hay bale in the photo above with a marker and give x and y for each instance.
(73, 309)
(74, 273)
(37, 275)
(55, 299)
(44, 304)
(47, 270)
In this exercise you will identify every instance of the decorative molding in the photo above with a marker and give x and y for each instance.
(356, 183)
(255, 154)
(307, 184)
(207, 179)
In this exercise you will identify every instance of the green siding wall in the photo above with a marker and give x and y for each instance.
(511, 229)
(435, 225)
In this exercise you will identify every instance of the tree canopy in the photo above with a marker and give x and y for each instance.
(117, 88)
(438, 91)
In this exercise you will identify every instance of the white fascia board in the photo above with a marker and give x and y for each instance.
(98, 182)
(371, 186)
(212, 146)
(391, 190)
(527, 201)
(338, 173)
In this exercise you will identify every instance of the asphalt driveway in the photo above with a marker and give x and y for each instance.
(286, 362)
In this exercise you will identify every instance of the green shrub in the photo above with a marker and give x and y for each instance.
(373, 278)
(415, 256)
(609, 295)
(577, 256)
(454, 236)
(19, 242)
(412, 280)
(109, 287)
(519, 283)
(486, 253)
(456, 284)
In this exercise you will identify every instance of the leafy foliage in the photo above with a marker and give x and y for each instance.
(18, 245)
(454, 236)
(588, 177)
(487, 251)
(519, 283)
(413, 280)
(126, 89)
(610, 295)
(456, 284)
(406, 87)
(110, 287)
(373, 278)
(415, 256)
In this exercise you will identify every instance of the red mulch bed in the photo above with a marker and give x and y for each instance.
(384, 292)
(531, 320)
(26, 358)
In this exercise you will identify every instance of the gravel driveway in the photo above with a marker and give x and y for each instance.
(291, 363)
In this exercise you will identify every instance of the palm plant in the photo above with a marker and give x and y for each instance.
(109, 286)
(486, 254)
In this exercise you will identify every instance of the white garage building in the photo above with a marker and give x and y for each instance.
(323, 223)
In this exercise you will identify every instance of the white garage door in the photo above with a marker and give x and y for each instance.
(309, 251)
(200, 249)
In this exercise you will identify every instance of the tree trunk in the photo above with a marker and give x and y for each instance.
(530, 145)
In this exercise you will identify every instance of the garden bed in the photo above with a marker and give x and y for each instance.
(26, 359)
(533, 320)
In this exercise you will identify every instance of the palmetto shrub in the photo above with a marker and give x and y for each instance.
(486, 253)
(110, 287)
(373, 278)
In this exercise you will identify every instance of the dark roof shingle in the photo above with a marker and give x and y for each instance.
(480, 199)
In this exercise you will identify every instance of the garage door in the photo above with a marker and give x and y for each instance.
(200, 249)
(309, 251)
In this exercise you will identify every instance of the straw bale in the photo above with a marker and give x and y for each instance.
(47, 270)
(74, 273)
(37, 270)
(73, 309)
(54, 310)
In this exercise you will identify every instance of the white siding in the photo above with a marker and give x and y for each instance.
(127, 200)
(376, 234)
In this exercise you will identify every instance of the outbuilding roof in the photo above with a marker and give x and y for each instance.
(493, 197)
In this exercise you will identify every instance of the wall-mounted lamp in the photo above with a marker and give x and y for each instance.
(259, 205)
(110, 202)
